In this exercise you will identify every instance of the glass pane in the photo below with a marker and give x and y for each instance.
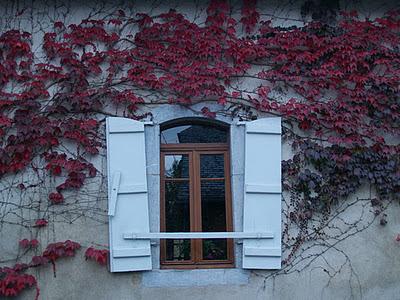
(213, 205)
(178, 250)
(215, 249)
(176, 166)
(212, 166)
(213, 218)
(193, 134)
(177, 219)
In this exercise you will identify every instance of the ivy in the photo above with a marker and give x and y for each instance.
(98, 255)
(13, 280)
(336, 87)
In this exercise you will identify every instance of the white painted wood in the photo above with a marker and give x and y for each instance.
(128, 203)
(263, 188)
(114, 193)
(198, 235)
(262, 252)
(267, 126)
(240, 123)
(262, 200)
(131, 252)
(123, 125)
(132, 189)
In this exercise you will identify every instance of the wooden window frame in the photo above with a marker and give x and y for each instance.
(194, 150)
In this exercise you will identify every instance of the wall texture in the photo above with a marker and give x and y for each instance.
(365, 264)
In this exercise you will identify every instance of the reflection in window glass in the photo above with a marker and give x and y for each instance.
(213, 205)
(212, 166)
(176, 166)
(213, 218)
(177, 219)
(178, 250)
(193, 134)
(215, 249)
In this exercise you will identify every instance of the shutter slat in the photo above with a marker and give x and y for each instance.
(263, 188)
(127, 192)
(262, 251)
(262, 201)
(132, 252)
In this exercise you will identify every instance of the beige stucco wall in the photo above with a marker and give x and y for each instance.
(365, 265)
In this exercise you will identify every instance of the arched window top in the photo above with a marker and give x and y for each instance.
(194, 130)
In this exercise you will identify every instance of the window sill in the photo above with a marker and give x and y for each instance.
(219, 265)
(199, 277)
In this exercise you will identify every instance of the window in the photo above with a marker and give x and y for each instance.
(195, 194)
(196, 189)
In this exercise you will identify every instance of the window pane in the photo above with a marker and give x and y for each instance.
(215, 249)
(178, 250)
(177, 214)
(177, 219)
(176, 166)
(213, 218)
(193, 134)
(213, 205)
(212, 166)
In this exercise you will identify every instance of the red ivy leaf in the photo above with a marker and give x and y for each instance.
(38, 261)
(41, 223)
(56, 198)
(235, 94)
(209, 114)
(222, 100)
(34, 243)
(24, 243)
(59, 24)
(100, 256)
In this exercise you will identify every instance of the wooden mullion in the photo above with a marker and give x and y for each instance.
(192, 206)
(208, 265)
(197, 205)
(197, 146)
(168, 179)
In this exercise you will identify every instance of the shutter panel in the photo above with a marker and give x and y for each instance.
(262, 201)
(127, 194)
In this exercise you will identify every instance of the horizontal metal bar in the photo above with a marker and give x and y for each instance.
(198, 235)
(262, 131)
(132, 189)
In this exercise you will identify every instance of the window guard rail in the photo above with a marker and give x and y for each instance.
(197, 235)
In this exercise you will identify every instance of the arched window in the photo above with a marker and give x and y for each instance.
(195, 192)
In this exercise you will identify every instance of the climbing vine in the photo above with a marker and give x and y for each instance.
(336, 87)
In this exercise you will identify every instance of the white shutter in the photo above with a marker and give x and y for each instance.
(262, 201)
(127, 195)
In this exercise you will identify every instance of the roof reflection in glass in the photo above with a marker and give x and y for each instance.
(193, 134)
